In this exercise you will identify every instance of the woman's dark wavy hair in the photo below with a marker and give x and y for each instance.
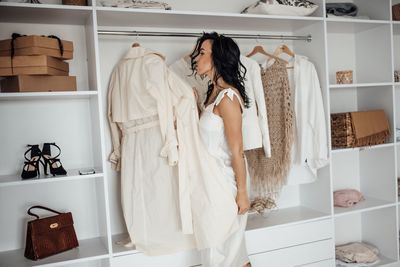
(226, 59)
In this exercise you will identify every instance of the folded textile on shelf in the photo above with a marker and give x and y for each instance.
(341, 9)
(357, 252)
(135, 4)
(282, 7)
(347, 197)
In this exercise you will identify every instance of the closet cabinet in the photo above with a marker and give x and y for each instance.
(72, 121)
(304, 228)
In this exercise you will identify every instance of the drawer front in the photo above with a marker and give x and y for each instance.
(324, 263)
(302, 255)
(182, 259)
(266, 239)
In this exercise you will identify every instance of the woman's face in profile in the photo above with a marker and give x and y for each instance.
(204, 63)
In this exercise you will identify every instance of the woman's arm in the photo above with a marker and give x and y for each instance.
(230, 111)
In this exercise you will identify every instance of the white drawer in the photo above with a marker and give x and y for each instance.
(324, 263)
(182, 259)
(266, 239)
(301, 255)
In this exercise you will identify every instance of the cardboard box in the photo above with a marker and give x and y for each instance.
(37, 45)
(33, 65)
(27, 83)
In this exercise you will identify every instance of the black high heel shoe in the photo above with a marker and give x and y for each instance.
(31, 166)
(54, 163)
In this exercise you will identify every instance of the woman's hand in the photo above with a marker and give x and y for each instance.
(243, 202)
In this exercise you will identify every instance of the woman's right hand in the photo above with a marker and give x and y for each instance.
(243, 202)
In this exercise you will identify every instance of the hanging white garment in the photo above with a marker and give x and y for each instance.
(183, 69)
(255, 123)
(137, 90)
(233, 251)
(310, 150)
(208, 207)
(149, 187)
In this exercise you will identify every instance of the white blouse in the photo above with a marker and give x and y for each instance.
(310, 151)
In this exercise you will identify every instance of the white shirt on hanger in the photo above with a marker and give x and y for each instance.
(310, 151)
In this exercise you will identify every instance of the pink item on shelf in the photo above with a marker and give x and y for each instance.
(347, 197)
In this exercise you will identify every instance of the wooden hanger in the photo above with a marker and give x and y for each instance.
(258, 49)
(136, 43)
(283, 48)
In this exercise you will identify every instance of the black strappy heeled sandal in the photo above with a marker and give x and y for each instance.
(54, 163)
(31, 166)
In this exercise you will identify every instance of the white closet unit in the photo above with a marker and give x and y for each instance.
(305, 228)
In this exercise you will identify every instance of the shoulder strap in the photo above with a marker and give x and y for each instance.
(40, 207)
(230, 93)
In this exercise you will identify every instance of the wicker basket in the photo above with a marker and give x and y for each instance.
(397, 76)
(342, 134)
(341, 130)
(75, 2)
(344, 77)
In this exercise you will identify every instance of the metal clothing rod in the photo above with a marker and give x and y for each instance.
(307, 38)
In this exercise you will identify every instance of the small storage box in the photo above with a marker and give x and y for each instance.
(344, 77)
(27, 83)
(342, 135)
(33, 65)
(37, 45)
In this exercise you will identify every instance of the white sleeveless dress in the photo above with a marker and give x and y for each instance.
(232, 252)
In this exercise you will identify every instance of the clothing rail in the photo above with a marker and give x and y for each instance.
(307, 38)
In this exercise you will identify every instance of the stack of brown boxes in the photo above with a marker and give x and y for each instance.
(37, 65)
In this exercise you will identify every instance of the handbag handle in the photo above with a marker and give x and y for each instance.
(17, 35)
(40, 207)
(60, 45)
(13, 37)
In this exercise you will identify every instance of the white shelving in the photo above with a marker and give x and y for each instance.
(120, 17)
(352, 46)
(12, 180)
(366, 205)
(350, 98)
(359, 85)
(375, 227)
(44, 13)
(47, 95)
(342, 150)
(77, 122)
(88, 250)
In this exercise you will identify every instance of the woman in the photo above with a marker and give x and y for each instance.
(217, 57)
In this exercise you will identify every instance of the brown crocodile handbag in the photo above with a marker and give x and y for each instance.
(50, 235)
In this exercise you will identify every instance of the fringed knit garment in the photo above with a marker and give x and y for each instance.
(269, 174)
